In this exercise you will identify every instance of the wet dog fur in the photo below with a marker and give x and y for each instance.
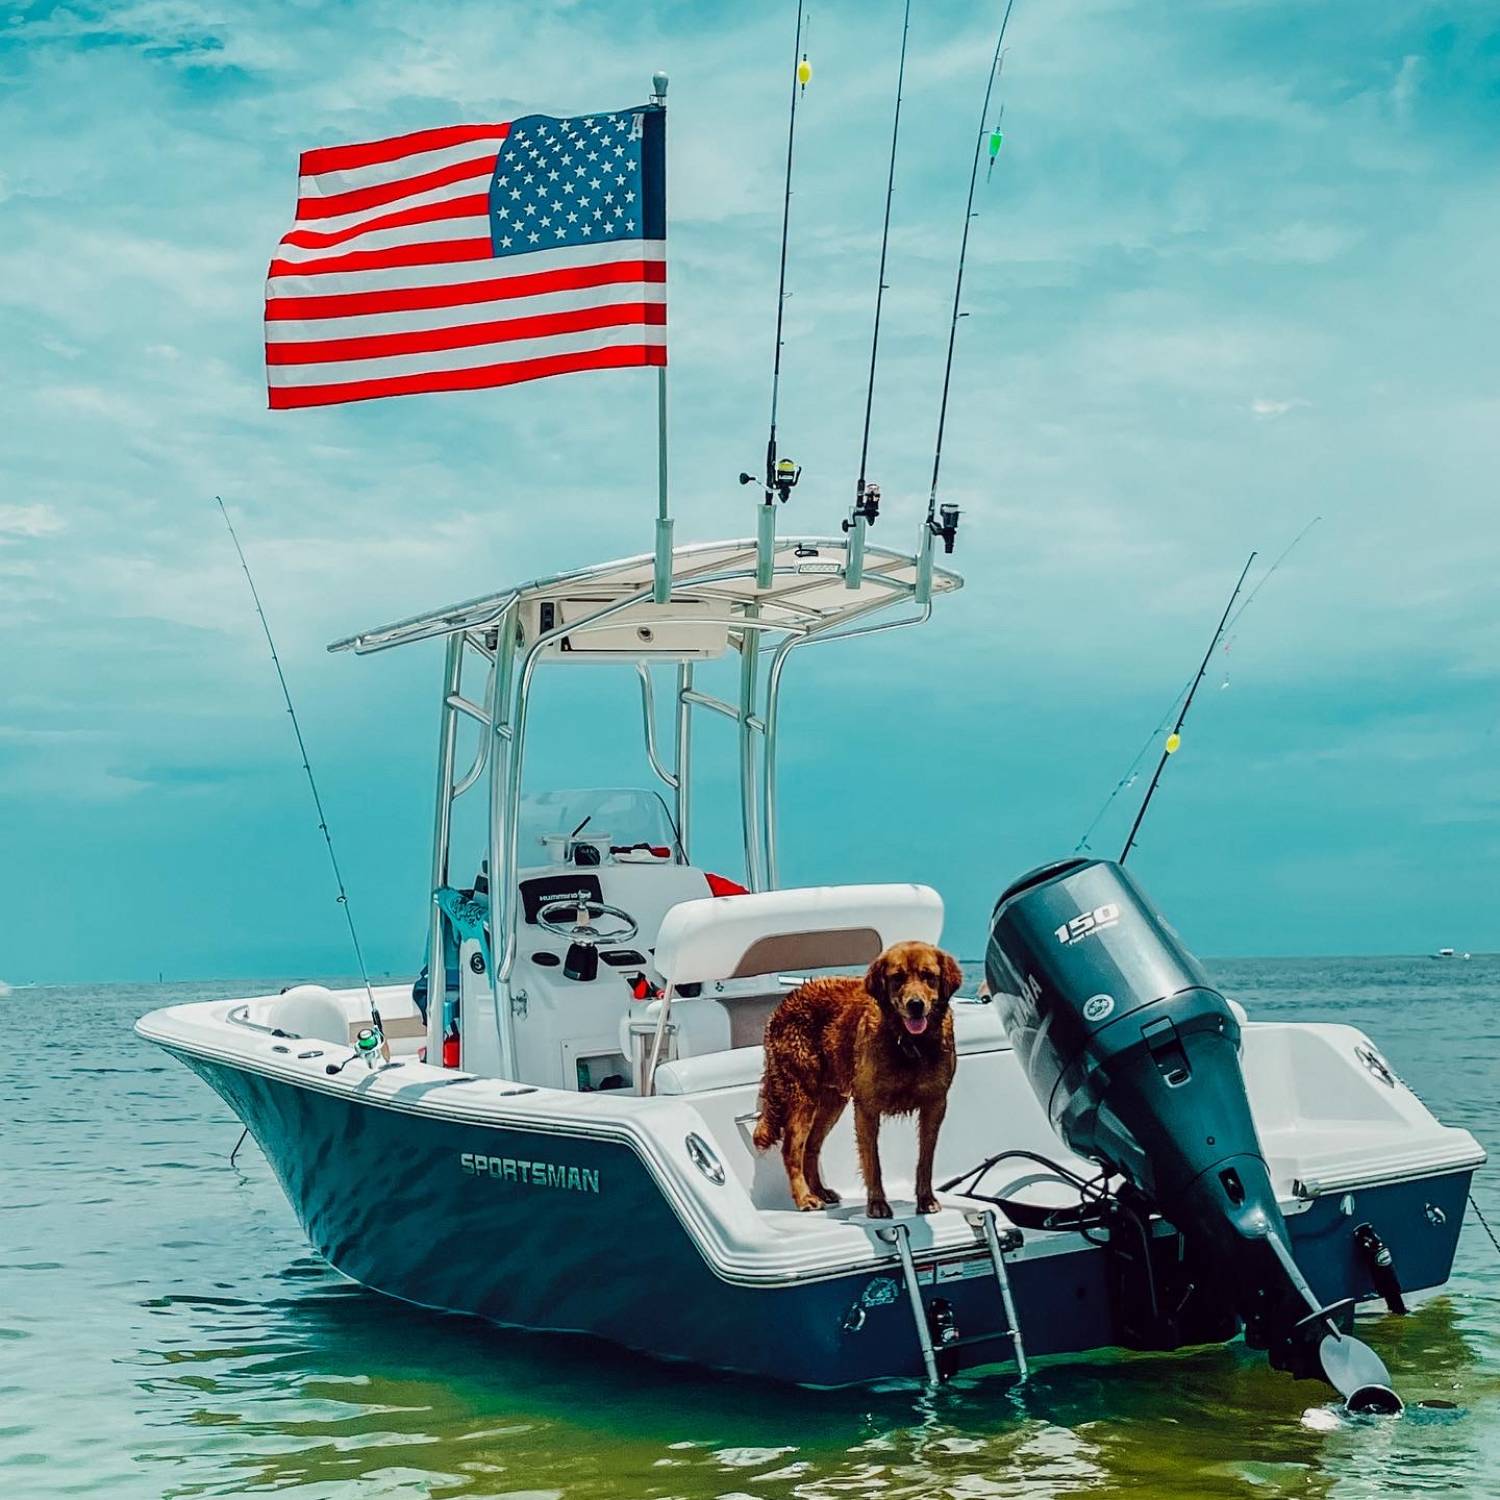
(884, 1041)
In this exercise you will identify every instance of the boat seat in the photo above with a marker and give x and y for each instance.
(814, 927)
(735, 1069)
(706, 1024)
(758, 935)
(395, 1028)
(976, 1028)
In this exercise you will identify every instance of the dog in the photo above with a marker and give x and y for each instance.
(884, 1041)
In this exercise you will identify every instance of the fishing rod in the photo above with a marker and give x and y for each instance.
(781, 473)
(1265, 577)
(947, 527)
(364, 1045)
(1132, 770)
(867, 495)
(1175, 738)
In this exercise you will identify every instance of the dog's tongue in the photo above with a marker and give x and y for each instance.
(915, 1024)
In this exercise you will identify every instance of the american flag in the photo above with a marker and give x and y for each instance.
(471, 256)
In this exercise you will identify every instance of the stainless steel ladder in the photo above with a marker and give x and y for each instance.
(983, 1221)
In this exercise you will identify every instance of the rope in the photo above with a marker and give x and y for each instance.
(1479, 1214)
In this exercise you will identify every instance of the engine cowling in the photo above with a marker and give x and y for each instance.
(1136, 1058)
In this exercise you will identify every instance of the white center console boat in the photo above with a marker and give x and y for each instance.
(561, 1128)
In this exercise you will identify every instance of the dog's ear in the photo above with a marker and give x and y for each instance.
(952, 977)
(875, 979)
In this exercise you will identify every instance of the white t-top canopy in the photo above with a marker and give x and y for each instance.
(806, 592)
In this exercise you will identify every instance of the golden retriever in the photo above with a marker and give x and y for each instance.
(885, 1041)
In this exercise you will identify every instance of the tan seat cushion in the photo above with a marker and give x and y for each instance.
(396, 1028)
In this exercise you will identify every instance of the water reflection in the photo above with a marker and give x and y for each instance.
(322, 1384)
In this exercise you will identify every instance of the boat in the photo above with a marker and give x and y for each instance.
(1446, 953)
(551, 1128)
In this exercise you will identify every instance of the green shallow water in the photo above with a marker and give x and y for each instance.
(165, 1330)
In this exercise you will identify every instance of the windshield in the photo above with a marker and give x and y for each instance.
(621, 815)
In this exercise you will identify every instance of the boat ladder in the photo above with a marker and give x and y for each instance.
(983, 1223)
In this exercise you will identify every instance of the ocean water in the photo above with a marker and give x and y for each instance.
(165, 1330)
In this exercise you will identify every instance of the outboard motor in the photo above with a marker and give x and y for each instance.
(1136, 1059)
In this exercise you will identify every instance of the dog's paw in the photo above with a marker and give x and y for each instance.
(878, 1208)
(928, 1205)
(808, 1204)
(828, 1195)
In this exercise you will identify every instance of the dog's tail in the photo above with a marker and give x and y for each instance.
(769, 1127)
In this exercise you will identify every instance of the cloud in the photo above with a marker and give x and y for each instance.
(1408, 81)
(28, 521)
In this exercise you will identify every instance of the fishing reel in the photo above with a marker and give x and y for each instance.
(945, 526)
(866, 506)
(783, 481)
(369, 1048)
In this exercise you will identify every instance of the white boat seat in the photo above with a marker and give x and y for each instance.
(725, 938)
(816, 927)
(735, 1069)
(976, 1027)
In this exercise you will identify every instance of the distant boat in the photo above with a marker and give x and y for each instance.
(1449, 953)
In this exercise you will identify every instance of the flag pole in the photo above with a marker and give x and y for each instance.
(662, 581)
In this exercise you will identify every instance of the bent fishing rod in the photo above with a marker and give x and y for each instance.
(1175, 738)
(1128, 780)
(867, 495)
(379, 1043)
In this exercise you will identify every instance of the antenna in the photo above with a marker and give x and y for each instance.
(867, 496)
(781, 473)
(948, 527)
(1175, 738)
(338, 877)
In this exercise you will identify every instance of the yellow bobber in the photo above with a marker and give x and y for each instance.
(804, 72)
(1173, 741)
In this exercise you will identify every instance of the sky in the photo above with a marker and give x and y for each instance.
(1235, 269)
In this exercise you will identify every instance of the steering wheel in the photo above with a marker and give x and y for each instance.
(583, 931)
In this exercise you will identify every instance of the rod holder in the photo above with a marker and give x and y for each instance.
(661, 590)
(854, 557)
(765, 544)
(861, 518)
(922, 592)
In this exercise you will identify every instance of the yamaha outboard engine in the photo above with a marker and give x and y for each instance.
(1135, 1057)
